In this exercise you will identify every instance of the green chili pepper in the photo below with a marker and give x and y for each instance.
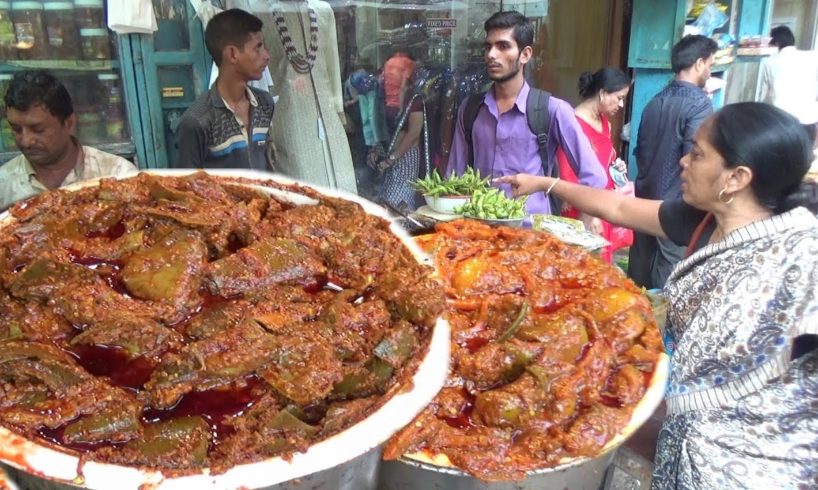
(114, 425)
(165, 438)
(516, 324)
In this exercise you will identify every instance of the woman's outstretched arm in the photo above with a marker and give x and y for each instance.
(639, 214)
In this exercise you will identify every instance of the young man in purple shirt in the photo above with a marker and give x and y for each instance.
(502, 140)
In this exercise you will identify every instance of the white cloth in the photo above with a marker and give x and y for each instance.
(131, 16)
(789, 81)
(301, 145)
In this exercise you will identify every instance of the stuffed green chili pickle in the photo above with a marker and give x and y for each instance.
(179, 323)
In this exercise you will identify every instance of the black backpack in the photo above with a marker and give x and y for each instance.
(538, 121)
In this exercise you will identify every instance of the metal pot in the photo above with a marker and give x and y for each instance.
(357, 474)
(408, 474)
(347, 460)
(579, 473)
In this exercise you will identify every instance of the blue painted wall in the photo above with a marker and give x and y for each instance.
(655, 26)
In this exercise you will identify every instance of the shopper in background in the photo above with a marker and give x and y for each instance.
(41, 115)
(603, 94)
(403, 162)
(502, 139)
(669, 122)
(227, 126)
(789, 78)
(743, 310)
(397, 73)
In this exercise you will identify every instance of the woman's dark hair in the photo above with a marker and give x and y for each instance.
(769, 141)
(31, 88)
(523, 33)
(782, 37)
(608, 79)
(691, 49)
(812, 132)
(232, 27)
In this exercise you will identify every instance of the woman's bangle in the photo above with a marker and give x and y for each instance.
(551, 187)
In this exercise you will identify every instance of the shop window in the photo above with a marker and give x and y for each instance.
(392, 50)
(415, 56)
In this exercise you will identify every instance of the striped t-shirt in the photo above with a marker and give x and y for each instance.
(211, 136)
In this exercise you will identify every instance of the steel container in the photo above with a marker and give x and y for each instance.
(356, 474)
(408, 474)
(578, 473)
(348, 460)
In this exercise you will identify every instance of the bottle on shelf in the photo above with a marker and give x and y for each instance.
(6, 136)
(90, 14)
(8, 40)
(90, 125)
(29, 27)
(96, 44)
(63, 36)
(114, 116)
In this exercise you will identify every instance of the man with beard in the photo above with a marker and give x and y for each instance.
(669, 123)
(502, 140)
(41, 115)
(227, 126)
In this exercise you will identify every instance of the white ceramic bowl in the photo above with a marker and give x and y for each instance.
(51, 463)
(445, 204)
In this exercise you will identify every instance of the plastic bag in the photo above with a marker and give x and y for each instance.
(620, 236)
(711, 18)
(131, 16)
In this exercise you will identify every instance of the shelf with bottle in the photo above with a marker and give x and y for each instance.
(72, 65)
(55, 35)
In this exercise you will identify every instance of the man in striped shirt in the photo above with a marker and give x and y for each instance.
(227, 126)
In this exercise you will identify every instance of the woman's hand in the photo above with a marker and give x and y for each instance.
(523, 184)
(592, 224)
(386, 163)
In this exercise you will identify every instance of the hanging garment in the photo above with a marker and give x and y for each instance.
(307, 139)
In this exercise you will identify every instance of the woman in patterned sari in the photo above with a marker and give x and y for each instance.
(743, 305)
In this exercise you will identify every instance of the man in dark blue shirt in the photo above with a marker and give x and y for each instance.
(669, 123)
(227, 126)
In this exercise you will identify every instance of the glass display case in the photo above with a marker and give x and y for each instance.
(391, 50)
(70, 40)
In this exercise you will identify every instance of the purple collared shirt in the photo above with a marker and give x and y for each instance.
(505, 145)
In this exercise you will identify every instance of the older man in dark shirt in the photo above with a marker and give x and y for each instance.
(669, 123)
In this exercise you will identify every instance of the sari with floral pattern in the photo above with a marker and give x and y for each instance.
(742, 413)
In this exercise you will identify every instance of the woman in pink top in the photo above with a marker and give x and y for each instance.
(603, 94)
(397, 71)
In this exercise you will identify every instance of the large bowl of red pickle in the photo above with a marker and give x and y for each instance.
(229, 329)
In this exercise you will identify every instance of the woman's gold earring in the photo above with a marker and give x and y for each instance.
(721, 197)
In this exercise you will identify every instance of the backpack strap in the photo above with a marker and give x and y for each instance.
(539, 122)
(469, 116)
